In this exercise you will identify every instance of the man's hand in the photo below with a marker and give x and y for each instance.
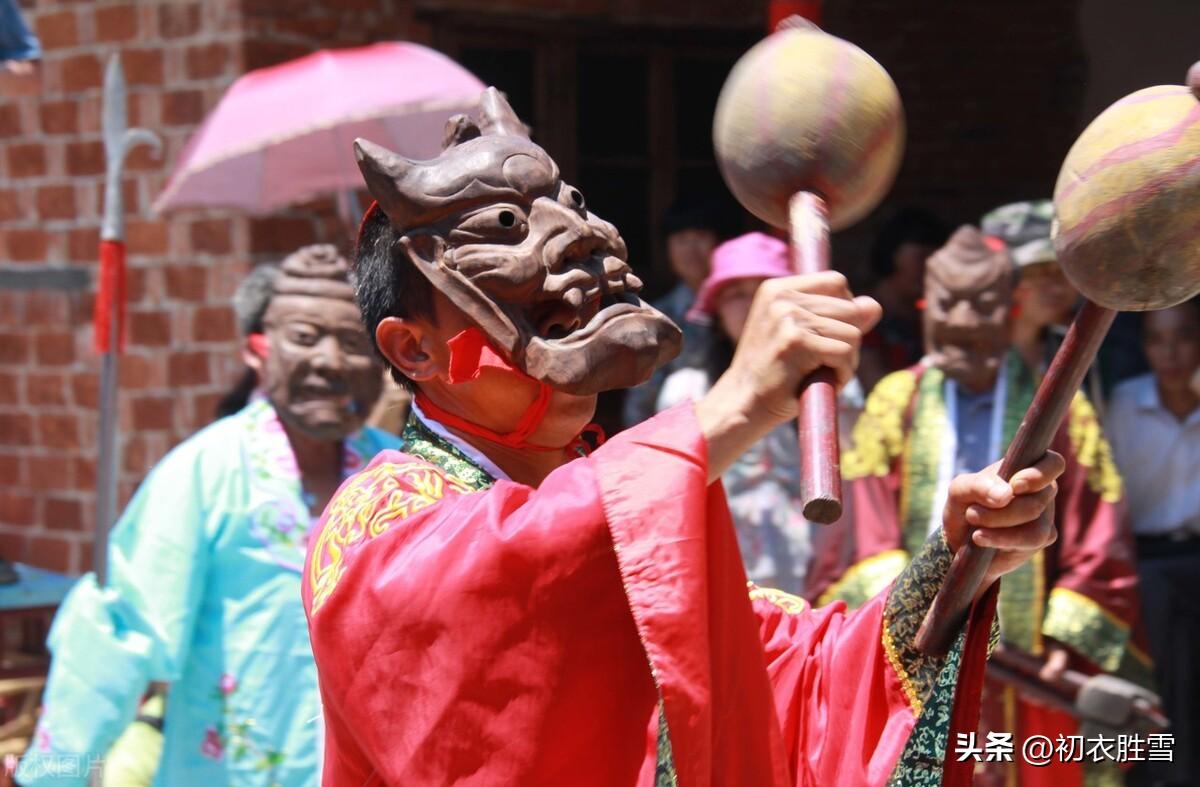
(796, 325)
(1015, 518)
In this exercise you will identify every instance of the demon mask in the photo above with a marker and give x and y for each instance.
(491, 224)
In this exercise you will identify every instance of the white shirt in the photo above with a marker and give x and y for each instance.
(1158, 456)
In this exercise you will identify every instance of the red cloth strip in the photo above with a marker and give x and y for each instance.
(110, 298)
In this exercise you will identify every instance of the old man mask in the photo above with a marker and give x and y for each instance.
(492, 226)
(968, 297)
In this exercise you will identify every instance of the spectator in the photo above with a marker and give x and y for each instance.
(898, 263)
(205, 562)
(692, 231)
(763, 484)
(1154, 424)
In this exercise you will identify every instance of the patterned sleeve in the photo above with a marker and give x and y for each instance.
(889, 707)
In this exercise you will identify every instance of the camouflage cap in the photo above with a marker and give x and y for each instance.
(1020, 223)
(1034, 252)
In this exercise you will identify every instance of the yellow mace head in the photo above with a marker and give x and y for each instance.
(1127, 202)
(807, 111)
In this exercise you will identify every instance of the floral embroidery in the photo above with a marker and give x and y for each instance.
(366, 508)
(236, 737)
(212, 747)
(282, 521)
(879, 432)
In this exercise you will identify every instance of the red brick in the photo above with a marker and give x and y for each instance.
(12, 470)
(84, 472)
(10, 206)
(116, 23)
(271, 53)
(63, 513)
(45, 388)
(143, 66)
(204, 409)
(10, 121)
(47, 308)
(83, 243)
(14, 348)
(26, 161)
(211, 236)
(177, 20)
(16, 508)
(153, 413)
(146, 237)
(133, 455)
(139, 372)
(81, 72)
(129, 197)
(142, 158)
(150, 329)
(55, 349)
(213, 324)
(59, 117)
(57, 30)
(16, 429)
(56, 202)
(205, 62)
(85, 158)
(53, 553)
(187, 282)
(281, 234)
(58, 431)
(25, 245)
(50, 473)
(85, 389)
(9, 387)
(183, 108)
(188, 368)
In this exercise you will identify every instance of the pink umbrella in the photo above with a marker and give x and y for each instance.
(283, 134)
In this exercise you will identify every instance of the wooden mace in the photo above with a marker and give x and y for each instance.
(1127, 204)
(808, 135)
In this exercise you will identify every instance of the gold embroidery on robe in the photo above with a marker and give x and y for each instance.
(793, 605)
(1092, 450)
(376, 499)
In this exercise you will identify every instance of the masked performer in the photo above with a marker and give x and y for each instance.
(205, 561)
(492, 607)
(956, 412)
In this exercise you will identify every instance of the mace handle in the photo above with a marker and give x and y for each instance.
(820, 455)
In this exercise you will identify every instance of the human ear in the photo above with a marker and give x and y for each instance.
(406, 345)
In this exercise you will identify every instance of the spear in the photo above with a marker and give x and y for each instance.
(108, 322)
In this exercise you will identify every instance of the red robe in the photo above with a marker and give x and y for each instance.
(520, 636)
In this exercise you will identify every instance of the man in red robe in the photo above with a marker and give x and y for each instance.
(499, 604)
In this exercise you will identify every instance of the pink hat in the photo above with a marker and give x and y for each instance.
(750, 256)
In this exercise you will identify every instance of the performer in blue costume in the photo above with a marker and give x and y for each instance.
(204, 585)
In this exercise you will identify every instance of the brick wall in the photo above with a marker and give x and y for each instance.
(178, 59)
(992, 92)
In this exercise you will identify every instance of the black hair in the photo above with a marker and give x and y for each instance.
(694, 213)
(907, 225)
(1192, 304)
(239, 395)
(388, 284)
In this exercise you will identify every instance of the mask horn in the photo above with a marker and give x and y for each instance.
(385, 173)
(497, 117)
